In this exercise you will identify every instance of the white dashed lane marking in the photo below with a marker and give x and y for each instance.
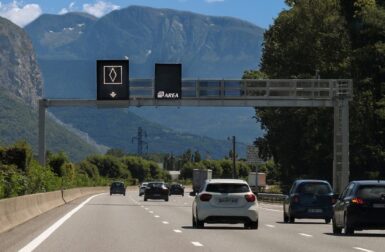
(177, 231)
(197, 244)
(362, 249)
(305, 235)
(270, 226)
(165, 222)
(156, 216)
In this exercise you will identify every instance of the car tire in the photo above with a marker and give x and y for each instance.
(145, 198)
(254, 225)
(200, 224)
(327, 220)
(194, 224)
(166, 199)
(336, 230)
(291, 219)
(285, 218)
(348, 229)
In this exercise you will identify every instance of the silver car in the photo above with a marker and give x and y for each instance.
(225, 201)
(142, 188)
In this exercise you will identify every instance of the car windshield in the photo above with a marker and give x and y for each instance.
(155, 184)
(371, 191)
(318, 188)
(227, 188)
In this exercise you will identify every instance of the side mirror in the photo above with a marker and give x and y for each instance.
(192, 193)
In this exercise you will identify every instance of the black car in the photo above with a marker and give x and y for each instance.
(117, 188)
(360, 206)
(156, 190)
(177, 189)
(309, 199)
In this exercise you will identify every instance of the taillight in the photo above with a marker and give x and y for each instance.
(250, 197)
(358, 201)
(295, 199)
(205, 197)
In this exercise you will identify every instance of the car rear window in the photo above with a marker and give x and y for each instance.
(371, 191)
(117, 184)
(227, 188)
(318, 188)
(155, 184)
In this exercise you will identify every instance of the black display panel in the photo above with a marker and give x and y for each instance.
(112, 79)
(168, 81)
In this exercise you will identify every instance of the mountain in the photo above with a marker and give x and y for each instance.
(121, 132)
(19, 72)
(208, 47)
(20, 88)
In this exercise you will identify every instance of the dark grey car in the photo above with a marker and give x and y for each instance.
(309, 199)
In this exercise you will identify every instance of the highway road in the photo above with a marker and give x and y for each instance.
(127, 223)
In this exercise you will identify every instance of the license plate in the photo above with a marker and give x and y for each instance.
(228, 200)
(379, 205)
(315, 210)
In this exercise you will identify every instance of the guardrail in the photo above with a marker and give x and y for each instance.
(271, 197)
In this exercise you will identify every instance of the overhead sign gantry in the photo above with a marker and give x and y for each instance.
(334, 93)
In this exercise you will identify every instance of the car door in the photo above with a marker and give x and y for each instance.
(286, 203)
(342, 204)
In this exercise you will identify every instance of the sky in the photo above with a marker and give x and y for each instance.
(259, 12)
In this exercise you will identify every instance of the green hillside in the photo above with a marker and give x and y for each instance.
(20, 122)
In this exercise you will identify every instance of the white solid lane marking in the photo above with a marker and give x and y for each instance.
(156, 216)
(165, 222)
(38, 240)
(177, 231)
(362, 249)
(197, 244)
(270, 226)
(306, 235)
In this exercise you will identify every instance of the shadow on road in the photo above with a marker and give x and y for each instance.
(214, 228)
(357, 235)
(301, 223)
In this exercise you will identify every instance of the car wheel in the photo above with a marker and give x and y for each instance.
(166, 199)
(200, 224)
(291, 219)
(254, 224)
(336, 230)
(285, 218)
(327, 220)
(348, 229)
(145, 198)
(194, 224)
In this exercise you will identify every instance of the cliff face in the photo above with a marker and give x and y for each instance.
(19, 71)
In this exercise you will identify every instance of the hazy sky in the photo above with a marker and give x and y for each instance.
(259, 12)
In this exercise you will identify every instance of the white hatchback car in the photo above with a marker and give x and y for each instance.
(225, 201)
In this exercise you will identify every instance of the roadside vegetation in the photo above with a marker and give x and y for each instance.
(330, 39)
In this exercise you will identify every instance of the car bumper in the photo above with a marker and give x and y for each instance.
(367, 219)
(151, 196)
(234, 215)
(302, 212)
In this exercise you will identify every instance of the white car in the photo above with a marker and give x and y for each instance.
(142, 188)
(225, 201)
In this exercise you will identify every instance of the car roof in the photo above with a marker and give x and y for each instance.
(369, 182)
(227, 181)
(311, 180)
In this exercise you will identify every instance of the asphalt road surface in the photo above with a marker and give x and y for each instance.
(127, 223)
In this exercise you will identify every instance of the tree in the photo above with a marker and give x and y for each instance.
(310, 37)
